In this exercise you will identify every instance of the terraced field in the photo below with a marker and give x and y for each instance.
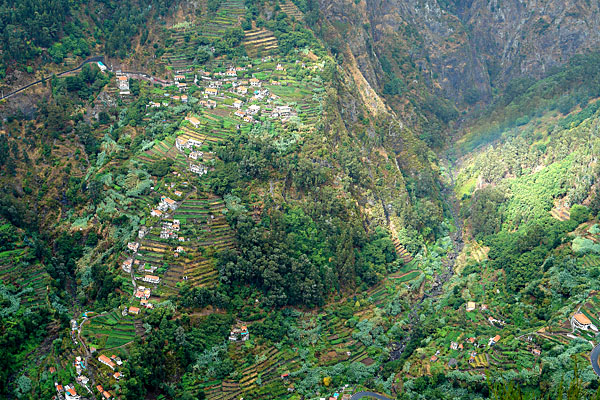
(36, 278)
(187, 37)
(290, 9)
(109, 330)
(260, 42)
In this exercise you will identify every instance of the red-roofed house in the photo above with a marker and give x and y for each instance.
(106, 361)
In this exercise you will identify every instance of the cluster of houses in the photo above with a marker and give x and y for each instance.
(169, 229)
(133, 246)
(68, 391)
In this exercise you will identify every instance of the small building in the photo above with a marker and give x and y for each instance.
(210, 92)
(244, 333)
(59, 387)
(433, 358)
(279, 67)
(232, 73)
(106, 395)
(117, 375)
(193, 120)
(471, 305)
(184, 98)
(179, 78)
(142, 232)
(177, 193)
(156, 213)
(494, 340)
(106, 361)
(253, 109)
(123, 84)
(254, 82)
(238, 104)
(241, 90)
(133, 246)
(151, 279)
(536, 352)
(454, 346)
(99, 388)
(581, 321)
(134, 310)
(71, 394)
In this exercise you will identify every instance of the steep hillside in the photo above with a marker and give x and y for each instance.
(291, 199)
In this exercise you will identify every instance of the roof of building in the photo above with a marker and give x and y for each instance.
(122, 78)
(134, 309)
(106, 395)
(72, 391)
(59, 387)
(582, 319)
(151, 277)
(105, 359)
(100, 388)
(496, 338)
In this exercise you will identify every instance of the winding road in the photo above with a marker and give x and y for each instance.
(594, 359)
(89, 60)
(360, 395)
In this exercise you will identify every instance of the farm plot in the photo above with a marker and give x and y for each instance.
(109, 330)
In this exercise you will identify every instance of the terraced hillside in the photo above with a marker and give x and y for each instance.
(19, 268)
(260, 42)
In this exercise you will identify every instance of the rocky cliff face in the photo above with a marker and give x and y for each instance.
(461, 48)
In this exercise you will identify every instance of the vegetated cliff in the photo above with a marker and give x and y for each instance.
(461, 48)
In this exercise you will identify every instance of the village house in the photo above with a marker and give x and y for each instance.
(536, 352)
(99, 388)
(116, 359)
(59, 387)
(182, 86)
(241, 90)
(133, 246)
(193, 120)
(177, 193)
(142, 232)
(127, 265)
(156, 213)
(171, 204)
(240, 113)
(151, 279)
(248, 118)
(184, 98)
(106, 361)
(494, 340)
(179, 78)
(454, 346)
(232, 73)
(581, 321)
(279, 67)
(238, 104)
(123, 84)
(210, 92)
(134, 310)
(117, 375)
(198, 169)
(244, 333)
(195, 154)
(142, 293)
(471, 305)
(106, 395)
(254, 82)
(253, 109)
(70, 393)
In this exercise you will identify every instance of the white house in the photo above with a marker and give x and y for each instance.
(151, 279)
(580, 321)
